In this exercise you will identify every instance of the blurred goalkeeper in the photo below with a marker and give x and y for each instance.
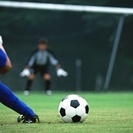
(39, 63)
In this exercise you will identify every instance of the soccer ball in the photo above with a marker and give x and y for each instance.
(73, 108)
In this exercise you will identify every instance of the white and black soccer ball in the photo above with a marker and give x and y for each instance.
(73, 108)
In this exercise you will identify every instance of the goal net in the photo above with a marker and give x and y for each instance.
(82, 38)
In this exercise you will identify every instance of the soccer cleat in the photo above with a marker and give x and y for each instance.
(48, 92)
(23, 119)
(26, 92)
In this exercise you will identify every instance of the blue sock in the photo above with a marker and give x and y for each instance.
(12, 101)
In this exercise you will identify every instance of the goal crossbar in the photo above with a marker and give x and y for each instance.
(66, 7)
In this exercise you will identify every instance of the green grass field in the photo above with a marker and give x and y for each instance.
(109, 113)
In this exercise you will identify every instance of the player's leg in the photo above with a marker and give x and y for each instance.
(29, 84)
(12, 101)
(47, 79)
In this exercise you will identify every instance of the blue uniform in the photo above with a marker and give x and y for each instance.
(8, 98)
(2, 59)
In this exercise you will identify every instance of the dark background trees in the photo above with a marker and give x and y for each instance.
(72, 35)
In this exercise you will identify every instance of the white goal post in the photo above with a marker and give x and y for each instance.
(81, 8)
(65, 7)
